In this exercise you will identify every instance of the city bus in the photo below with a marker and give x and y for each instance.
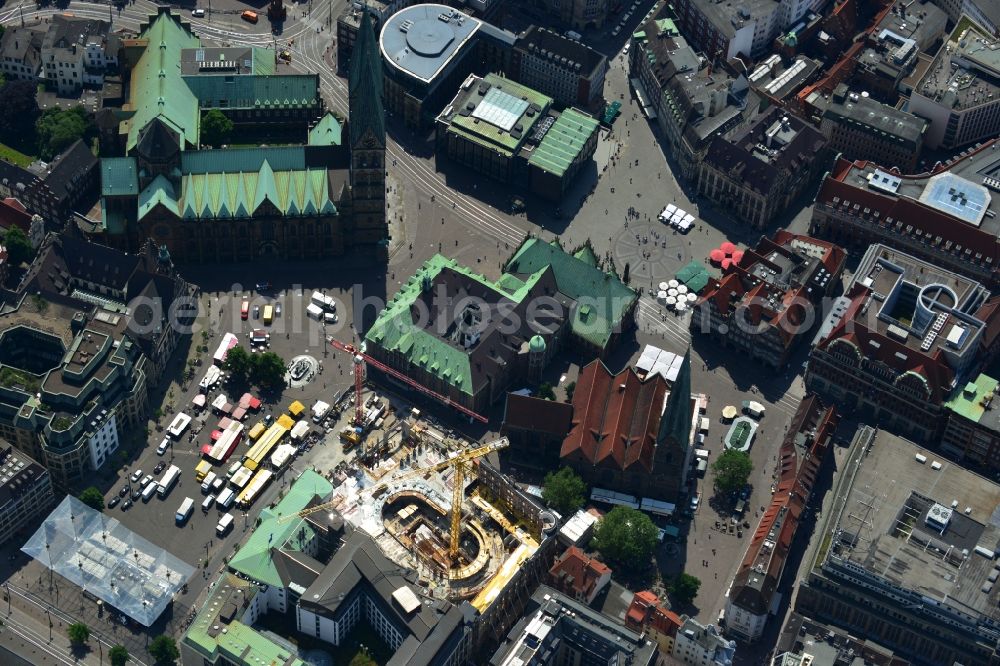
(168, 481)
(268, 314)
(257, 485)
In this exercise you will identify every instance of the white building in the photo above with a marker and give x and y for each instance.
(103, 439)
(77, 52)
(702, 645)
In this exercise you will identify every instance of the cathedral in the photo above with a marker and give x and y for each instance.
(321, 198)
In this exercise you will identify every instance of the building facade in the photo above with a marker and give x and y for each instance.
(77, 53)
(756, 172)
(903, 337)
(972, 429)
(864, 129)
(20, 53)
(579, 576)
(702, 645)
(25, 491)
(803, 453)
(769, 299)
(57, 189)
(569, 71)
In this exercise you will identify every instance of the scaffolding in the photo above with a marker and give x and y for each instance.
(108, 560)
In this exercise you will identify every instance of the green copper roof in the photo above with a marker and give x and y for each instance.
(602, 299)
(160, 191)
(119, 177)
(968, 401)
(219, 91)
(281, 158)
(254, 558)
(157, 88)
(263, 61)
(395, 330)
(564, 142)
(365, 89)
(675, 425)
(238, 644)
(537, 343)
(327, 132)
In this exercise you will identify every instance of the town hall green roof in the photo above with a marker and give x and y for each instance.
(564, 142)
(247, 91)
(603, 300)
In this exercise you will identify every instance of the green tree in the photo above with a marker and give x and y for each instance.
(18, 246)
(732, 469)
(216, 128)
(268, 370)
(362, 659)
(78, 633)
(626, 536)
(57, 129)
(564, 491)
(18, 112)
(118, 655)
(685, 588)
(238, 363)
(164, 650)
(570, 390)
(93, 498)
(545, 391)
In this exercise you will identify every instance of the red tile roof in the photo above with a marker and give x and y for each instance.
(615, 418)
(647, 611)
(575, 572)
(14, 214)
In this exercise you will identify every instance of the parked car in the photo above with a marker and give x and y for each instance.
(160, 466)
(198, 13)
(256, 312)
(123, 492)
(127, 504)
(113, 502)
(145, 480)
(277, 309)
(162, 448)
(136, 475)
(136, 493)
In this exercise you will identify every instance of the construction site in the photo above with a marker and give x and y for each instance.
(414, 488)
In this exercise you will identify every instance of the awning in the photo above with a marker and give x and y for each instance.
(296, 408)
(239, 413)
(640, 93)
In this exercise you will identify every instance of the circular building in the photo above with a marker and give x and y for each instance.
(428, 50)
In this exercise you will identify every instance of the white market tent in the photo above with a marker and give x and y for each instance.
(110, 561)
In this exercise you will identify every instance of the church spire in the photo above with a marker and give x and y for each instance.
(366, 112)
(675, 423)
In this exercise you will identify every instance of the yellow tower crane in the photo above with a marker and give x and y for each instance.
(460, 462)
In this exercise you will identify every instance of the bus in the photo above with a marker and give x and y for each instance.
(257, 485)
(168, 481)
(268, 314)
(184, 511)
(263, 447)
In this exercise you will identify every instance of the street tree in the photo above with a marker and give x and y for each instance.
(238, 364)
(685, 588)
(93, 498)
(216, 128)
(56, 129)
(545, 391)
(732, 470)
(362, 659)
(626, 536)
(118, 655)
(564, 491)
(78, 633)
(18, 111)
(18, 246)
(268, 370)
(164, 650)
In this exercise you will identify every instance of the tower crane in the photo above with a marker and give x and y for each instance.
(360, 358)
(460, 462)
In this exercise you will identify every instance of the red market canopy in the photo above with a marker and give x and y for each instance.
(239, 413)
(737, 256)
(254, 404)
(726, 263)
(216, 434)
(245, 400)
(206, 449)
(717, 255)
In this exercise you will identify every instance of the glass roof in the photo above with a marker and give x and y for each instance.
(108, 560)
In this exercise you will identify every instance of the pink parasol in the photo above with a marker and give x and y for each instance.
(717, 255)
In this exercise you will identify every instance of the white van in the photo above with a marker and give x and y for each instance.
(206, 485)
(198, 13)
(701, 453)
(149, 491)
(225, 524)
(226, 497)
(207, 504)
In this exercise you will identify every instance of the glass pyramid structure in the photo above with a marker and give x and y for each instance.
(105, 558)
